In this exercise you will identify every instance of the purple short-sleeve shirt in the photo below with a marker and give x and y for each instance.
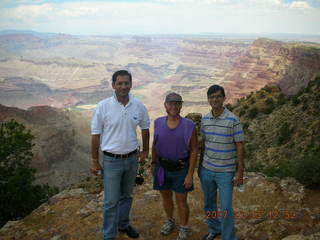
(174, 143)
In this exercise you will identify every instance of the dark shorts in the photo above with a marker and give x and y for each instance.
(173, 181)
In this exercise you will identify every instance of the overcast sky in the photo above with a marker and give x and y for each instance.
(162, 16)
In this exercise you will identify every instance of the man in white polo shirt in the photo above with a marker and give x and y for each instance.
(113, 129)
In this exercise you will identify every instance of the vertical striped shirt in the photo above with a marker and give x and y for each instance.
(220, 135)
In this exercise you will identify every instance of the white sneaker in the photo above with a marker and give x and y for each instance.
(168, 227)
(210, 236)
(183, 233)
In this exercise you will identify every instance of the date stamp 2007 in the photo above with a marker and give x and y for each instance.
(256, 214)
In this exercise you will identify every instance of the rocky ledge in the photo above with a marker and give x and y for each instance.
(268, 209)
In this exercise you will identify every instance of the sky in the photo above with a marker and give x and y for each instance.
(162, 16)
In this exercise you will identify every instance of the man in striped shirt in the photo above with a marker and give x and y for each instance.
(221, 164)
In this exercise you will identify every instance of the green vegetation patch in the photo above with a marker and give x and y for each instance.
(283, 132)
(18, 195)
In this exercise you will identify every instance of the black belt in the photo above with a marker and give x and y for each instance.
(176, 165)
(120, 155)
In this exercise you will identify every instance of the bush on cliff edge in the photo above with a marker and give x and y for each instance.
(18, 196)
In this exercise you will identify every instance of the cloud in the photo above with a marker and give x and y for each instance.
(78, 11)
(306, 4)
(193, 1)
(29, 11)
(164, 16)
(300, 5)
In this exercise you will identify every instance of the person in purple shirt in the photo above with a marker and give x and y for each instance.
(174, 158)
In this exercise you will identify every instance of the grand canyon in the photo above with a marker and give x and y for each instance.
(73, 73)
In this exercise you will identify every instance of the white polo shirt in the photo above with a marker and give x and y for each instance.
(117, 124)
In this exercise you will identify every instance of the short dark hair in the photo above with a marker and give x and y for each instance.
(121, 73)
(215, 88)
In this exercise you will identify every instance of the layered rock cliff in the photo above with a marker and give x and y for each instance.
(289, 65)
(26, 92)
(61, 151)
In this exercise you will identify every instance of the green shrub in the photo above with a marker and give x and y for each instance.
(300, 92)
(267, 89)
(281, 170)
(253, 112)
(245, 125)
(268, 109)
(281, 99)
(254, 167)
(18, 196)
(307, 170)
(295, 101)
(304, 106)
(284, 134)
(242, 112)
(250, 149)
(304, 169)
(269, 101)
(308, 87)
(229, 106)
(317, 81)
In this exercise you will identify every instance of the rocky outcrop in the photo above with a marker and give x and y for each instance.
(264, 210)
(289, 65)
(205, 52)
(27, 92)
(61, 151)
(282, 133)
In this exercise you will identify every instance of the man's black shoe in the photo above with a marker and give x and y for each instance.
(130, 231)
(210, 236)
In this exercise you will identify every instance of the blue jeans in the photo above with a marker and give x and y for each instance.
(119, 180)
(219, 221)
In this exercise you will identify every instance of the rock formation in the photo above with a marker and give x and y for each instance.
(61, 151)
(289, 65)
(26, 92)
